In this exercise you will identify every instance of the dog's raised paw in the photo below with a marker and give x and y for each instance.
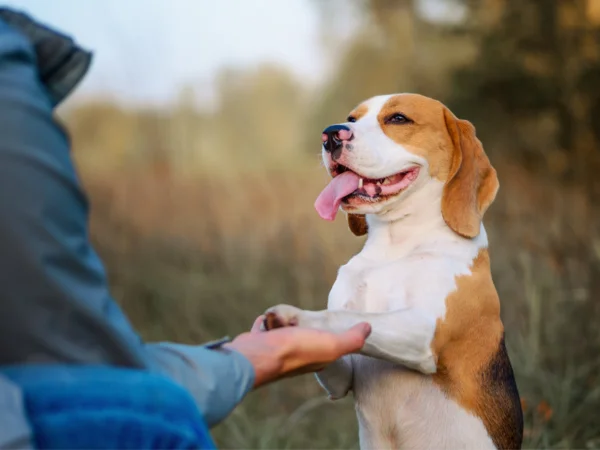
(280, 316)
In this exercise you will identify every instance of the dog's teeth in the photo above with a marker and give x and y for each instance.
(386, 181)
(360, 183)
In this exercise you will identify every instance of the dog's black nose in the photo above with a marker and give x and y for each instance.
(333, 137)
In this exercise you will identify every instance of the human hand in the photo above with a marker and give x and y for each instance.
(291, 351)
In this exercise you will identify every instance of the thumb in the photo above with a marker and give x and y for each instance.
(352, 340)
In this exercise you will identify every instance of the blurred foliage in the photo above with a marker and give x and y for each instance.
(204, 217)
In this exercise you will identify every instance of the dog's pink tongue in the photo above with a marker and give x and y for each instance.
(328, 202)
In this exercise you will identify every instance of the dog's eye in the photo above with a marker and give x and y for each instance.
(397, 118)
(351, 119)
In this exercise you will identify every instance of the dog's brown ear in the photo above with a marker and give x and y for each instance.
(472, 182)
(358, 224)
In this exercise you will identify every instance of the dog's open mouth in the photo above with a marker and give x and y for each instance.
(349, 187)
(373, 188)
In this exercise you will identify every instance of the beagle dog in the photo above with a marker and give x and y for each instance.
(434, 373)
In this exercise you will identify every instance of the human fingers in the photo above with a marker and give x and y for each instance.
(352, 340)
(310, 346)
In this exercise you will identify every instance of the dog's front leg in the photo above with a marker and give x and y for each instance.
(402, 336)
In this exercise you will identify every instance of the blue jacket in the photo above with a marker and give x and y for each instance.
(55, 305)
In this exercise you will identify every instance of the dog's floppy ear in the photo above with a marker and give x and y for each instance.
(472, 182)
(358, 224)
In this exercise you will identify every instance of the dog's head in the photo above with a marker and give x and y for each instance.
(395, 145)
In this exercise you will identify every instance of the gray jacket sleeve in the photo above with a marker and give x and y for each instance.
(55, 305)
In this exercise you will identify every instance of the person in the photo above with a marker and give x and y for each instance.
(55, 304)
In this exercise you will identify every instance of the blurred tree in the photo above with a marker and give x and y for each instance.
(538, 72)
(260, 113)
(188, 132)
(154, 149)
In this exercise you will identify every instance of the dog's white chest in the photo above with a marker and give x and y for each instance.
(364, 286)
(422, 281)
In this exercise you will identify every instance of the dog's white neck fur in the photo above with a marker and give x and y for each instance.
(396, 232)
(415, 224)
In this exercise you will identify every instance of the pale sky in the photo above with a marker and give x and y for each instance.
(145, 50)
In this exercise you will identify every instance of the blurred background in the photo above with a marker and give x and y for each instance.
(197, 136)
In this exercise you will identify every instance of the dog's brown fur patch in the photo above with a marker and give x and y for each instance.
(358, 224)
(472, 182)
(473, 366)
(359, 111)
(425, 135)
(454, 154)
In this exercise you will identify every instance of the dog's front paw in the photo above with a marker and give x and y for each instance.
(281, 316)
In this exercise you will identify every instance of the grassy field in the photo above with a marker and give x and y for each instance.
(195, 257)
